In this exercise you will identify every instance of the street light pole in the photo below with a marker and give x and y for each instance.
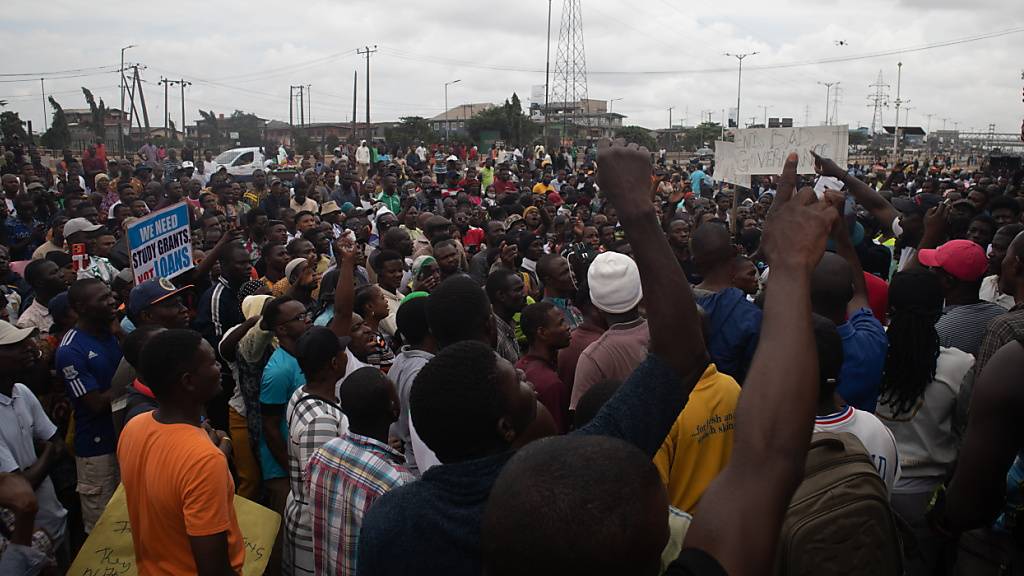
(896, 128)
(120, 113)
(611, 104)
(447, 121)
(547, 79)
(828, 93)
(739, 81)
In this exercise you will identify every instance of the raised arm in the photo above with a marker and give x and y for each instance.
(865, 195)
(645, 407)
(345, 291)
(841, 237)
(775, 413)
(624, 175)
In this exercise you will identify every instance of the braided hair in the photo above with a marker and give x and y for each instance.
(915, 303)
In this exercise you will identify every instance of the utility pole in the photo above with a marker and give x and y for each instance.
(166, 82)
(828, 96)
(309, 102)
(366, 52)
(42, 88)
(896, 128)
(142, 97)
(302, 106)
(739, 81)
(765, 108)
(355, 84)
(120, 113)
(670, 118)
(183, 83)
(547, 80)
(447, 120)
(929, 117)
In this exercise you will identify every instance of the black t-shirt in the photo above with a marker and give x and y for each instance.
(695, 562)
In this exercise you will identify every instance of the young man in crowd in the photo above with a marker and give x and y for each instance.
(45, 278)
(86, 360)
(178, 487)
(30, 444)
(615, 289)
(507, 294)
(990, 291)
(546, 333)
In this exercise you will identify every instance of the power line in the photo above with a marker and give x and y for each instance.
(72, 71)
(61, 77)
(394, 53)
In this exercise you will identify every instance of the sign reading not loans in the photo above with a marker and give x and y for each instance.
(760, 151)
(161, 244)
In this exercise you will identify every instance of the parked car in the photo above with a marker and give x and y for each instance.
(241, 162)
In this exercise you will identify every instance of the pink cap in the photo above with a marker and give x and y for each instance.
(962, 259)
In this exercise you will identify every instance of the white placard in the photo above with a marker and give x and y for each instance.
(763, 151)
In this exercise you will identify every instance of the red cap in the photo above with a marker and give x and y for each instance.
(962, 259)
(555, 198)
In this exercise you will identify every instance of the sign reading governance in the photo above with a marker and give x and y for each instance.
(161, 244)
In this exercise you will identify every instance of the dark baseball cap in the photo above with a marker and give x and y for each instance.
(152, 292)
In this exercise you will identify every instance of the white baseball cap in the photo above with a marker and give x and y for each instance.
(76, 225)
(11, 334)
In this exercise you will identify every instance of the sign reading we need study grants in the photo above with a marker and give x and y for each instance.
(161, 244)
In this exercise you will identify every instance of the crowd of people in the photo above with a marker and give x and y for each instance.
(445, 360)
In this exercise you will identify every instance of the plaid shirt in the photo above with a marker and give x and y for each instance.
(1002, 329)
(507, 346)
(312, 422)
(344, 478)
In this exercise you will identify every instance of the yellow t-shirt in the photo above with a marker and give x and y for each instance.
(541, 188)
(700, 442)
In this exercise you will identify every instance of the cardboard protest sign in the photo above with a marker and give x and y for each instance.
(725, 165)
(108, 551)
(762, 151)
(160, 244)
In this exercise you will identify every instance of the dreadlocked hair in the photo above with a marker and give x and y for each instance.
(915, 302)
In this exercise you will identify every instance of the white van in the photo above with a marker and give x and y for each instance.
(241, 162)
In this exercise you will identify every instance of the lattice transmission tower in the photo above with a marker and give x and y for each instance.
(878, 101)
(570, 85)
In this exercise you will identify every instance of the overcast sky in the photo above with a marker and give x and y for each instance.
(244, 55)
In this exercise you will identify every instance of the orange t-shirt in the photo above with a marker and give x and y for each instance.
(176, 485)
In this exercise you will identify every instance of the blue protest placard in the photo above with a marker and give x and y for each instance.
(161, 244)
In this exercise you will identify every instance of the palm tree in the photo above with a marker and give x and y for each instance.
(98, 112)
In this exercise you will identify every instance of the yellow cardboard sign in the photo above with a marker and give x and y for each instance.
(108, 551)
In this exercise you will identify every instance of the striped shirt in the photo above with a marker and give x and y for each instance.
(507, 346)
(963, 326)
(312, 422)
(345, 477)
(1005, 328)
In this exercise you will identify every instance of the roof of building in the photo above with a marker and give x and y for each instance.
(463, 112)
(906, 130)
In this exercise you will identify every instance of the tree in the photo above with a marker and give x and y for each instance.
(410, 131)
(12, 125)
(98, 113)
(703, 133)
(209, 127)
(507, 120)
(58, 136)
(248, 127)
(641, 136)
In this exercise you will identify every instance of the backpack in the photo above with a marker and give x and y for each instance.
(839, 520)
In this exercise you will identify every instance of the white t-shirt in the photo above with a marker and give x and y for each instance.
(351, 366)
(990, 292)
(876, 438)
